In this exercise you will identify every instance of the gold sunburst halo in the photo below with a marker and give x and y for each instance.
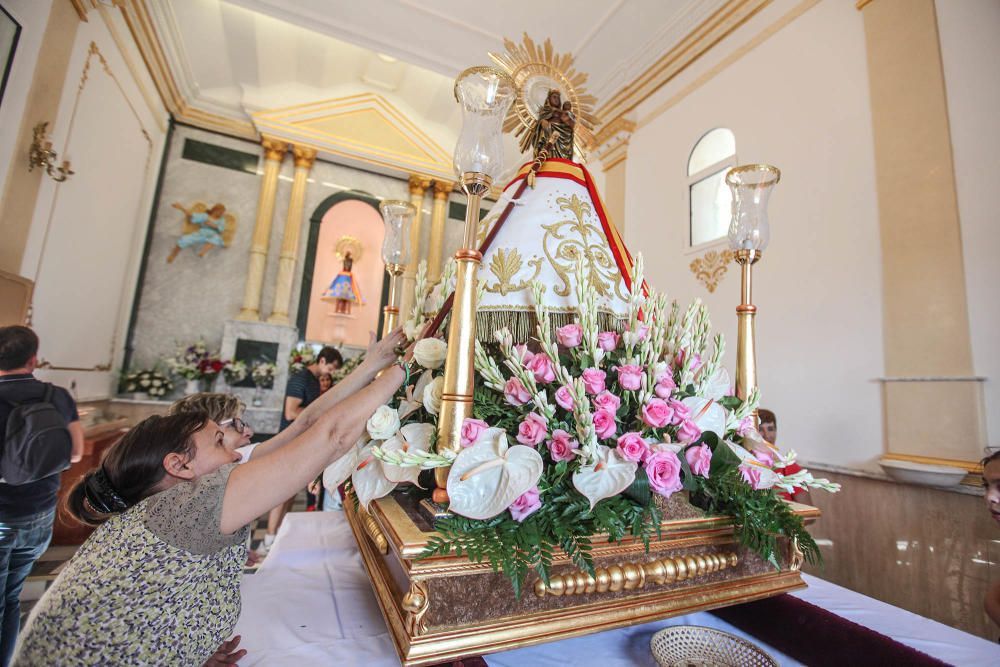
(530, 64)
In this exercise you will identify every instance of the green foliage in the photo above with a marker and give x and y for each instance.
(493, 408)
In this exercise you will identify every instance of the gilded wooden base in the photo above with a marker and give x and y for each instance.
(444, 608)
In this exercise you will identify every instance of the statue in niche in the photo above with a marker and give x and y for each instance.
(551, 135)
(344, 290)
(204, 228)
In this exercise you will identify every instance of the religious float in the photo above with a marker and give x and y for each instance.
(569, 454)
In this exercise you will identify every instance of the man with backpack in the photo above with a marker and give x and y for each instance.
(40, 435)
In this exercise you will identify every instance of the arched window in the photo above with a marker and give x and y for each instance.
(709, 197)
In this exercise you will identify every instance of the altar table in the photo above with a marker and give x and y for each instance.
(311, 603)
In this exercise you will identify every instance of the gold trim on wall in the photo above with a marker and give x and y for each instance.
(971, 467)
(711, 267)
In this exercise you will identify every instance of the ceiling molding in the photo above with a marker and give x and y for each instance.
(363, 127)
(710, 32)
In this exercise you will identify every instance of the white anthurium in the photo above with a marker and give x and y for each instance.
(409, 438)
(337, 472)
(768, 477)
(707, 414)
(414, 396)
(607, 476)
(761, 448)
(369, 480)
(718, 385)
(488, 476)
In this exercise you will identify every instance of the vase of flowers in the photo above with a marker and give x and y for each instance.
(197, 365)
(235, 372)
(147, 383)
(302, 355)
(263, 374)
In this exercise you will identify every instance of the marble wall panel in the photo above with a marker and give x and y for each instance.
(930, 551)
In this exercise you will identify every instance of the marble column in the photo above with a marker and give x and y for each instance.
(274, 153)
(304, 158)
(439, 214)
(418, 186)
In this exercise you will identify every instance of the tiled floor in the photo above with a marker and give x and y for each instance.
(48, 567)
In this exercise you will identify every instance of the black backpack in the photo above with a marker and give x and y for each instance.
(37, 442)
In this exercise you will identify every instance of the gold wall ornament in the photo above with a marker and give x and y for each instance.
(41, 155)
(632, 576)
(583, 239)
(415, 603)
(505, 265)
(711, 267)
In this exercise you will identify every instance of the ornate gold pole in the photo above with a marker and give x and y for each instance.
(390, 311)
(418, 186)
(746, 350)
(274, 153)
(304, 159)
(459, 369)
(439, 214)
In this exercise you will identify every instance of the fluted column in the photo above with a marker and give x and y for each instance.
(438, 216)
(418, 186)
(304, 159)
(274, 153)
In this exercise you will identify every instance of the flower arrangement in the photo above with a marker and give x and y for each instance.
(580, 433)
(347, 368)
(263, 374)
(302, 355)
(195, 362)
(235, 372)
(150, 381)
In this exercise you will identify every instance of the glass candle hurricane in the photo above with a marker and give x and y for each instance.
(751, 186)
(485, 95)
(397, 217)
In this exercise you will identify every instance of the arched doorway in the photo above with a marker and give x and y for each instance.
(346, 220)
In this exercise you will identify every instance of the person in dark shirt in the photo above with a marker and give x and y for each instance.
(26, 510)
(302, 389)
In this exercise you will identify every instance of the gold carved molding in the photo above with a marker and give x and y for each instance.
(442, 189)
(419, 185)
(304, 156)
(711, 267)
(632, 576)
(374, 533)
(274, 149)
(415, 603)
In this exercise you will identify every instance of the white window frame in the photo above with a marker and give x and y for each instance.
(725, 163)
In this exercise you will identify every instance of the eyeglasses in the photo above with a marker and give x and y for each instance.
(237, 423)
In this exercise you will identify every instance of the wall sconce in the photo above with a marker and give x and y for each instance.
(42, 155)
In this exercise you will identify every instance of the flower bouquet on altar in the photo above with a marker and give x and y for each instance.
(235, 372)
(582, 432)
(196, 364)
(150, 382)
(302, 355)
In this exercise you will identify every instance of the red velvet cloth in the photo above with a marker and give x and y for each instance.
(817, 637)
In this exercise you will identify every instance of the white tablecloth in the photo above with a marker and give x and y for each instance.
(311, 603)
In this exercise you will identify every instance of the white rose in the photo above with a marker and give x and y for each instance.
(430, 352)
(384, 423)
(432, 395)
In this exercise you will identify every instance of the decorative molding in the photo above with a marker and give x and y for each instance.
(442, 189)
(419, 185)
(612, 141)
(711, 267)
(861, 4)
(274, 149)
(710, 32)
(81, 9)
(304, 156)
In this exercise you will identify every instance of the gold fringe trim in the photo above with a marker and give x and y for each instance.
(523, 324)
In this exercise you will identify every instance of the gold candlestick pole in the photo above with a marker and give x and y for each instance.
(390, 312)
(746, 352)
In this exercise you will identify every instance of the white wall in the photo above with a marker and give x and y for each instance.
(798, 100)
(87, 233)
(970, 51)
(33, 16)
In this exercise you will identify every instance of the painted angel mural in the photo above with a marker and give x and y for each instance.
(204, 228)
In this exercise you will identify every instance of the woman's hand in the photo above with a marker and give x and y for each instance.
(226, 654)
(382, 353)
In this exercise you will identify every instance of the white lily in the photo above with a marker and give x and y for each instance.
(606, 476)
(488, 476)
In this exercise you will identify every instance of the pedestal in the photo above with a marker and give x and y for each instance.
(445, 608)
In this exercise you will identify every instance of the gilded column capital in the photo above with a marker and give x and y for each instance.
(419, 184)
(304, 156)
(442, 189)
(612, 141)
(274, 149)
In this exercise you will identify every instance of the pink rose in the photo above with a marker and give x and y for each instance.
(681, 412)
(570, 335)
(664, 386)
(632, 447)
(607, 401)
(523, 353)
(657, 413)
(515, 393)
(688, 432)
(564, 398)
(607, 340)
(532, 430)
(663, 469)
(629, 376)
(593, 380)
(471, 430)
(526, 504)
(699, 459)
(604, 423)
(541, 366)
(561, 446)
(751, 475)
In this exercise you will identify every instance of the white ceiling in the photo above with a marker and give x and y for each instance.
(234, 57)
